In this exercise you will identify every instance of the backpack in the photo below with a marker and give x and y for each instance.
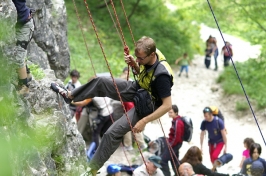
(226, 53)
(188, 128)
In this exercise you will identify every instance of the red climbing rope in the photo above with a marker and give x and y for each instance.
(170, 149)
(131, 33)
(83, 36)
(107, 63)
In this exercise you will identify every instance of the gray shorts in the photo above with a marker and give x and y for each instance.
(24, 33)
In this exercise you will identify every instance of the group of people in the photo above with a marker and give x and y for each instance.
(95, 115)
(155, 76)
(212, 50)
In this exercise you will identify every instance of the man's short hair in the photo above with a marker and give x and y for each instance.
(146, 44)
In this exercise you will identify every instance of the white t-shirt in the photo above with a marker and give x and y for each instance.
(141, 171)
(70, 87)
(104, 105)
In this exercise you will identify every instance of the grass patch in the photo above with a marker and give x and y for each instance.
(252, 74)
(242, 106)
(36, 71)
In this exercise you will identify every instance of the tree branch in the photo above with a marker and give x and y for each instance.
(249, 16)
(103, 5)
(133, 10)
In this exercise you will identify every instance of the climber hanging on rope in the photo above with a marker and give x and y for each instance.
(154, 75)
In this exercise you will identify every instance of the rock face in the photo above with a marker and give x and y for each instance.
(48, 47)
(37, 135)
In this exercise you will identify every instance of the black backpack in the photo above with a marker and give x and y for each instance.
(188, 128)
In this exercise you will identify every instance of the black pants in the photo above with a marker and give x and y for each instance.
(207, 61)
(167, 157)
(226, 60)
(101, 125)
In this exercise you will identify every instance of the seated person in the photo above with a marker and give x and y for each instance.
(194, 157)
(254, 152)
(152, 169)
(186, 169)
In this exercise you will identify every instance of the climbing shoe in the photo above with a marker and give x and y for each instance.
(62, 91)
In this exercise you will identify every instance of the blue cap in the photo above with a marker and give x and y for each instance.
(257, 168)
(156, 160)
(113, 168)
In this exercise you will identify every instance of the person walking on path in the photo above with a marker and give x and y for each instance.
(184, 62)
(216, 134)
(24, 31)
(154, 75)
(215, 52)
(227, 51)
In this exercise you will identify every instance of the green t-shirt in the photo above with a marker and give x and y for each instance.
(184, 61)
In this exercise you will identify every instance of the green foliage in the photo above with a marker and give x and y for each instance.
(5, 33)
(242, 106)
(36, 71)
(173, 34)
(252, 74)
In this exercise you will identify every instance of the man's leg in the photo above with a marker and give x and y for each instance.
(140, 140)
(112, 139)
(165, 158)
(82, 125)
(128, 140)
(176, 158)
(23, 35)
(216, 151)
(104, 86)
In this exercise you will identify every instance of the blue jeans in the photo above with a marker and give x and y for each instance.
(184, 67)
(216, 53)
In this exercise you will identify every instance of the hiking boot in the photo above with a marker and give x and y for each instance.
(23, 90)
(62, 91)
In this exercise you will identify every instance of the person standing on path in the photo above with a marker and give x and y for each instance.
(215, 52)
(216, 134)
(175, 140)
(227, 52)
(154, 75)
(184, 62)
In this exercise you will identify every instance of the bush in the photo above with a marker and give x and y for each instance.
(252, 74)
(242, 106)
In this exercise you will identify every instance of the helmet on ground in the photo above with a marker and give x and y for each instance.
(113, 168)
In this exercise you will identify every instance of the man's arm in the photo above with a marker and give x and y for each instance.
(164, 108)
(223, 132)
(201, 139)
